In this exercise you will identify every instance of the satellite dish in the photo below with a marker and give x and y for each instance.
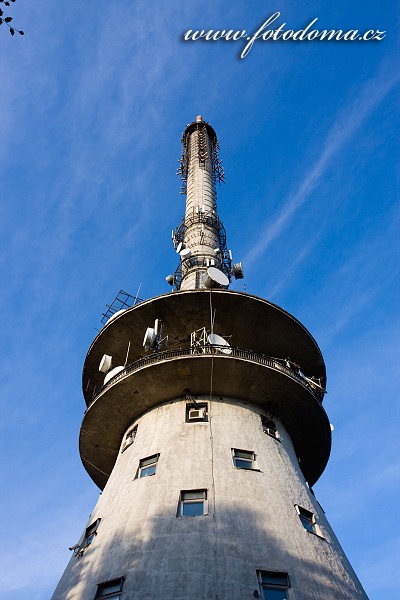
(170, 279)
(112, 373)
(181, 246)
(116, 314)
(217, 340)
(185, 253)
(149, 337)
(105, 363)
(237, 270)
(215, 278)
(332, 427)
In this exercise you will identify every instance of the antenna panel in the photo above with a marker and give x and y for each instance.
(149, 337)
(105, 363)
(157, 326)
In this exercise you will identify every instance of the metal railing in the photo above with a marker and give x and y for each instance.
(223, 261)
(222, 352)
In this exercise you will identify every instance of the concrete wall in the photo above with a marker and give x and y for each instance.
(251, 524)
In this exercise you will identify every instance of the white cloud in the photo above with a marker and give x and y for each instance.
(346, 125)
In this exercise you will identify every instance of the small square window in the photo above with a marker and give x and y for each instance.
(129, 438)
(196, 412)
(244, 459)
(147, 466)
(90, 533)
(274, 585)
(193, 503)
(307, 519)
(110, 590)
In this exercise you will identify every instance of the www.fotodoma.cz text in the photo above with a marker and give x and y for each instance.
(282, 33)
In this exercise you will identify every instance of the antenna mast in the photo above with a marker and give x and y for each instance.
(200, 240)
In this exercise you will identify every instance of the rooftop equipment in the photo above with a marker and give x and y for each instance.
(220, 343)
(215, 278)
(105, 363)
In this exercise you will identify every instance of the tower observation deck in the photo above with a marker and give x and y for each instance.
(206, 430)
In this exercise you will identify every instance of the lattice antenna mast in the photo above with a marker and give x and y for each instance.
(202, 152)
(200, 239)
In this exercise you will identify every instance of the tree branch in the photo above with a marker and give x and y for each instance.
(7, 20)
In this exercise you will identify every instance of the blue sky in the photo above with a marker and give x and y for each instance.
(93, 101)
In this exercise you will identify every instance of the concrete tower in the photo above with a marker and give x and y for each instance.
(205, 444)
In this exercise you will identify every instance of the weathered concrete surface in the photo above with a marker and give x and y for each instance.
(252, 522)
(107, 418)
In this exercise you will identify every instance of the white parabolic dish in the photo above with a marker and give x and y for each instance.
(217, 340)
(116, 314)
(112, 374)
(215, 276)
(185, 253)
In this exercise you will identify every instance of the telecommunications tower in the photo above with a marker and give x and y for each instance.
(205, 430)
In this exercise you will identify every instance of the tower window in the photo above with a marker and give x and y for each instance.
(193, 503)
(196, 412)
(273, 585)
(148, 466)
(269, 427)
(244, 459)
(307, 519)
(111, 590)
(129, 438)
(90, 534)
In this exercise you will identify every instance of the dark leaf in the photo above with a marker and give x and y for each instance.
(1, 20)
(21, 33)
(7, 3)
(11, 31)
(8, 19)
(1, 12)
